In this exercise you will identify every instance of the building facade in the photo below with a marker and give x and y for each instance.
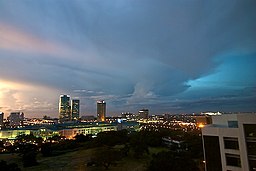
(230, 143)
(16, 119)
(75, 108)
(101, 110)
(64, 108)
(143, 114)
(92, 130)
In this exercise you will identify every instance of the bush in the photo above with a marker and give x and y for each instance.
(167, 161)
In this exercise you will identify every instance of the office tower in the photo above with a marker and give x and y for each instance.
(75, 109)
(16, 119)
(64, 108)
(229, 143)
(1, 119)
(101, 110)
(143, 114)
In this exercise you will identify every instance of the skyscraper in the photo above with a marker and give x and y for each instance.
(64, 108)
(75, 109)
(101, 110)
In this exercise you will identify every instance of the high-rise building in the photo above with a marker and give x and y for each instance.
(101, 110)
(64, 108)
(143, 114)
(1, 119)
(16, 119)
(229, 143)
(75, 109)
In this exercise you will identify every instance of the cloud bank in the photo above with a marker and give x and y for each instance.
(168, 56)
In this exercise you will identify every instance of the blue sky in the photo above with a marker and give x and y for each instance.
(167, 56)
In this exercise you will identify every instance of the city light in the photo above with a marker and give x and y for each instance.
(201, 125)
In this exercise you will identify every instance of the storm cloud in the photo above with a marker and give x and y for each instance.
(165, 56)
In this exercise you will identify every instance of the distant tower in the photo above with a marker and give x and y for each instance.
(64, 108)
(16, 119)
(101, 110)
(75, 109)
(143, 114)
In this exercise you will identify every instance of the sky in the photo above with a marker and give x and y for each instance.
(167, 56)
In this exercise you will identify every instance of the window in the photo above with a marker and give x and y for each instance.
(233, 160)
(250, 130)
(252, 163)
(231, 143)
(251, 148)
(232, 124)
(212, 153)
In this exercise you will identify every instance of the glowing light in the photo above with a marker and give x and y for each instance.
(201, 125)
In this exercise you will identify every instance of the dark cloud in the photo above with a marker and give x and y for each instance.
(132, 53)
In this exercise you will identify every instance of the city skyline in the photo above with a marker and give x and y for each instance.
(168, 56)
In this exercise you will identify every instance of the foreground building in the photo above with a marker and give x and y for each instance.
(230, 143)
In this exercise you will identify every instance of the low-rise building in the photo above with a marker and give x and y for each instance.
(93, 130)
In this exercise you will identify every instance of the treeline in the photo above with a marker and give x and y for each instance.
(114, 146)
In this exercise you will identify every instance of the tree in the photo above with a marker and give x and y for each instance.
(56, 138)
(46, 149)
(30, 138)
(1, 144)
(9, 167)
(170, 161)
(194, 144)
(112, 138)
(29, 152)
(81, 138)
(138, 145)
(106, 157)
(152, 138)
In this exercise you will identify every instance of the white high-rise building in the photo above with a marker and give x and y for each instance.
(230, 143)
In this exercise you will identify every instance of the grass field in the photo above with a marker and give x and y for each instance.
(77, 160)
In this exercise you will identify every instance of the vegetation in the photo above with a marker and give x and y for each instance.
(29, 152)
(8, 167)
(106, 156)
(111, 150)
(172, 161)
